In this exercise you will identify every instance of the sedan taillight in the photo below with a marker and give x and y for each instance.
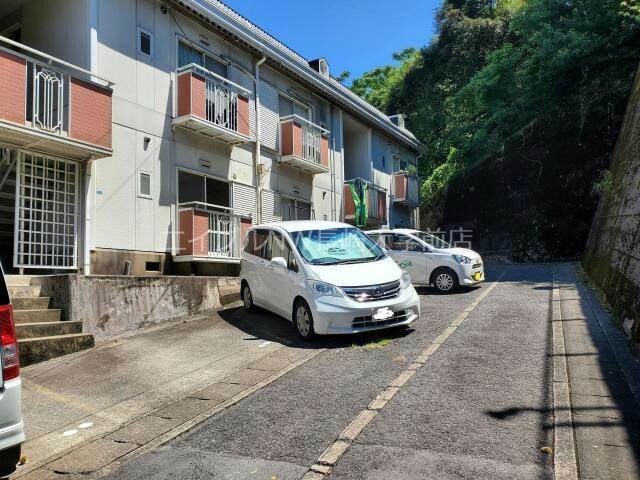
(8, 344)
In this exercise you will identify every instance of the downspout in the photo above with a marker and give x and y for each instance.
(89, 184)
(334, 199)
(256, 152)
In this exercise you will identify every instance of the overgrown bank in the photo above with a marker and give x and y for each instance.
(612, 256)
(519, 104)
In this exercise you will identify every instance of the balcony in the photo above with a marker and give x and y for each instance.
(406, 189)
(211, 105)
(51, 106)
(210, 233)
(304, 145)
(365, 204)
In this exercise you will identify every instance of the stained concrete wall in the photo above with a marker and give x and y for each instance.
(612, 256)
(112, 305)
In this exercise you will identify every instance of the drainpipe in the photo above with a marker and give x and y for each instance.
(86, 240)
(256, 153)
(334, 199)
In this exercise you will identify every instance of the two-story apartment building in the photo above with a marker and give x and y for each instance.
(144, 136)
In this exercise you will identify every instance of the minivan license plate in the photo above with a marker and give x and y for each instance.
(383, 313)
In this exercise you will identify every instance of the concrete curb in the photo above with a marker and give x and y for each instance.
(564, 451)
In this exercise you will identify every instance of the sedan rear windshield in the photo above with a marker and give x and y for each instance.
(336, 246)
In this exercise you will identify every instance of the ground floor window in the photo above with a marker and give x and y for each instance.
(295, 209)
(193, 187)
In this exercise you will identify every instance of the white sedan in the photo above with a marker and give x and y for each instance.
(429, 260)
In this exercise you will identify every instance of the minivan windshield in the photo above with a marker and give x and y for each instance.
(435, 242)
(334, 246)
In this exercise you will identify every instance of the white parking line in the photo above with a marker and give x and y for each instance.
(336, 450)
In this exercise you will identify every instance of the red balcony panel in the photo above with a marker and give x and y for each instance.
(400, 186)
(13, 88)
(245, 224)
(194, 233)
(244, 123)
(91, 111)
(291, 138)
(191, 95)
(324, 151)
(349, 204)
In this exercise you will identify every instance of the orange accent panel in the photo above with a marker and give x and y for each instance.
(286, 138)
(382, 206)
(243, 115)
(13, 88)
(198, 97)
(200, 234)
(349, 205)
(91, 112)
(400, 186)
(245, 224)
(186, 232)
(184, 94)
(324, 151)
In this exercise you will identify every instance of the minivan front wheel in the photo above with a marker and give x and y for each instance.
(247, 298)
(303, 320)
(445, 280)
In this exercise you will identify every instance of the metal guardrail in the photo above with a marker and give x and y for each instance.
(311, 137)
(221, 97)
(223, 229)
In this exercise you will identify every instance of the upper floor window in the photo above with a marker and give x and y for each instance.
(145, 42)
(188, 54)
(287, 107)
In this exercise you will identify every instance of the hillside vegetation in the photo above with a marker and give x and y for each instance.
(518, 104)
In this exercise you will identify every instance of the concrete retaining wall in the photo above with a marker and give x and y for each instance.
(111, 305)
(612, 256)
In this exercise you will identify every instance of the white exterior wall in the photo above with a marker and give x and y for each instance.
(143, 106)
(59, 28)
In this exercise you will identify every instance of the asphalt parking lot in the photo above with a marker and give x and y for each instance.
(454, 418)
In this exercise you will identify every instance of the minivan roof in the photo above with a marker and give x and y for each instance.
(302, 225)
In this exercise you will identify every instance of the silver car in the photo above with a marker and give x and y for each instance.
(11, 426)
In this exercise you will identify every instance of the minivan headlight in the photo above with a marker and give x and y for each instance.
(405, 280)
(461, 259)
(323, 289)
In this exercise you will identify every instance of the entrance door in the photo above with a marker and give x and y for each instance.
(47, 213)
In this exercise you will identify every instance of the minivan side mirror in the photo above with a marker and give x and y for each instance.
(279, 262)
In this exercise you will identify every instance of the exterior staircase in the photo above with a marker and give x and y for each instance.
(41, 333)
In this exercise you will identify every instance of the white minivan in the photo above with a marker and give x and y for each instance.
(430, 260)
(326, 277)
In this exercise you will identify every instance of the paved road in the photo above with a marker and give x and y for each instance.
(477, 409)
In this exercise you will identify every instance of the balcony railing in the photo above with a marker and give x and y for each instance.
(210, 232)
(212, 105)
(406, 189)
(304, 144)
(365, 204)
(66, 108)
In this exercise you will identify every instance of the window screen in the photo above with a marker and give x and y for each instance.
(144, 185)
(145, 43)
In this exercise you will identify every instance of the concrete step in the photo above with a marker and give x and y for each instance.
(39, 349)
(30, 303)
(18, 280)
(36, 316)
(25, 291)
(229, 295)
(47, 329)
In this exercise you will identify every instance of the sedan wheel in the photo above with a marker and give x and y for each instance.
(445, 282)
(248, 299)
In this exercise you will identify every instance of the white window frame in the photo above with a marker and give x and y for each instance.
(312, 212)
(202, 50)
(306, 106)
(205, 175)
(144, 195)
(142, 30)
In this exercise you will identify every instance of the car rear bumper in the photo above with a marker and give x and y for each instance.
(341, 315)
(11, 425)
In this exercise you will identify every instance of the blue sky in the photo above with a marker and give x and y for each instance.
(354, 35)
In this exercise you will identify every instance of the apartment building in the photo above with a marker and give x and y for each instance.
(144, 136)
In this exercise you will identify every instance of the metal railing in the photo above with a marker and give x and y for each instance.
(223, 231)
(48, 79)
(221, 97)
(311, 137)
